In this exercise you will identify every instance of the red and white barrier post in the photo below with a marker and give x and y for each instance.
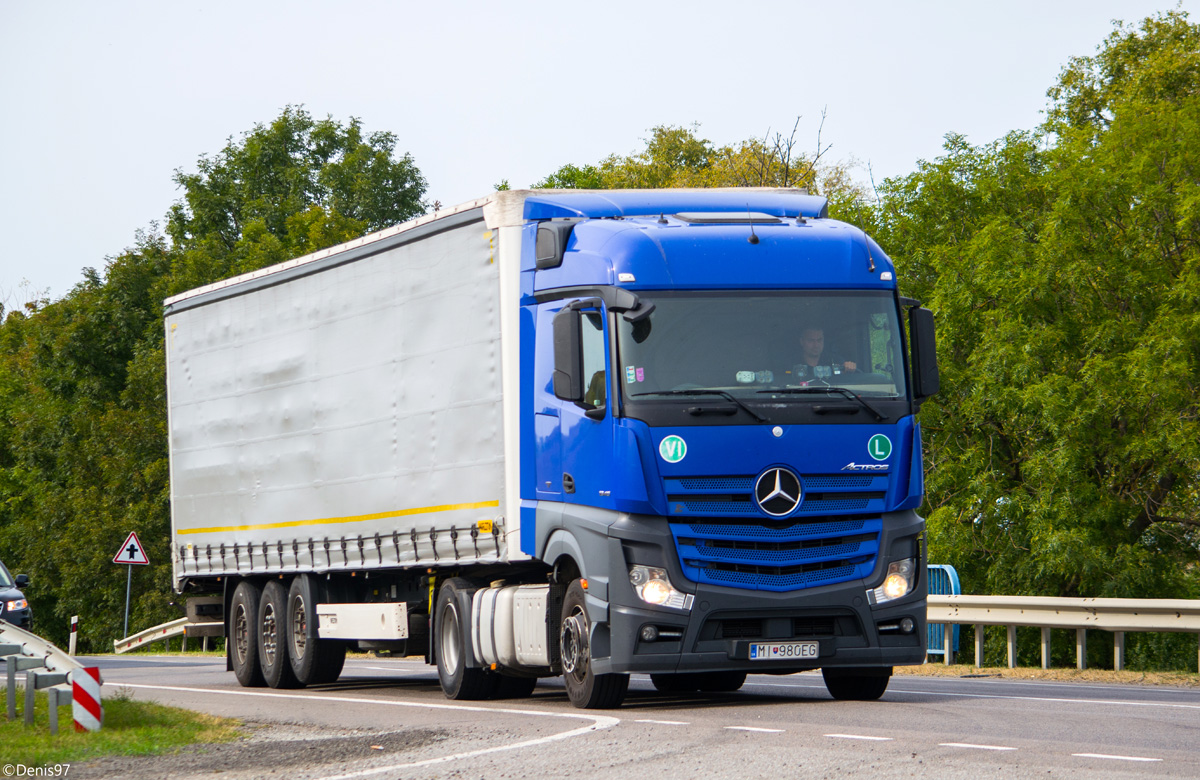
(74, 631)
(85, 698)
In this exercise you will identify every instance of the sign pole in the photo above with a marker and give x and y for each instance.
(128, 585)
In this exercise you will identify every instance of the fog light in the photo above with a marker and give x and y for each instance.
(907, 625)
(652, 586)
(899, 581)
(649, 633)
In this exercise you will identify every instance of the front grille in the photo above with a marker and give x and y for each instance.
(733, 496)
(781, 627)
(813, 626)
(740, 629)
(778, 556)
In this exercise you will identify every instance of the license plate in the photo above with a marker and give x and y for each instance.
(783, 651)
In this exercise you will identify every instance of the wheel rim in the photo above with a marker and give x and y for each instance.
(449, 637)
(270, 634)
(299, 627)
(574, 644)
(241, 634)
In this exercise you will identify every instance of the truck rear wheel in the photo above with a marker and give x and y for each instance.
(272, 637)
(586, 689)
(458, 681)
(857, 685)
(243, 635)
(314, 660)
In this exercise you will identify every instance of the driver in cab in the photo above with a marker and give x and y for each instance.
(815, 364)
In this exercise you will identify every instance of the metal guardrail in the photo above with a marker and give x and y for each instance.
(155, 634)
(1115, 615)
(45, 666)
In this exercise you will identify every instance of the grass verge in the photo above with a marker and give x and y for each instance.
(130, 728)
(1107, 676)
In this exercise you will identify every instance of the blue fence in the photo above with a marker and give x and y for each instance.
(943, 581)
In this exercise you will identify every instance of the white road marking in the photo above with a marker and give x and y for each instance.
(1115, 758)
(598, 722)
(859, 736)
(752, 728)
(666, 722)
(976, 747)
(1112, 702)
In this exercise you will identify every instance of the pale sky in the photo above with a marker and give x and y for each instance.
(101, 102)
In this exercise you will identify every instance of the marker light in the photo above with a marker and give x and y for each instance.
(898, 582)
(652, 586)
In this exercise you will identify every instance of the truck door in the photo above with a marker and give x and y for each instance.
(586, 425)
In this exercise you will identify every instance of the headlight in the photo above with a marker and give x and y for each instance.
(15, 604)
(898, 582)
(652, 586)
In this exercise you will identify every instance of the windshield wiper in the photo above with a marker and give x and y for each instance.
(826, 390)
(721, 393)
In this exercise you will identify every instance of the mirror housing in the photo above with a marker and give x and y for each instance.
(923, 347)
(551, 243)
(21, 580)
(568, 355)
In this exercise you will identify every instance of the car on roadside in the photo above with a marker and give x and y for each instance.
(14, 607)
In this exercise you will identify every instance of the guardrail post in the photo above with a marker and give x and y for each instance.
(34, 681)
(1012, 647)
(1081, 648)
(948, 644)
(1045, 647)
(978, 645)
(56, 697)
(1118, 650)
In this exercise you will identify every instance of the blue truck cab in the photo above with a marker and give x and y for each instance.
(721, 451)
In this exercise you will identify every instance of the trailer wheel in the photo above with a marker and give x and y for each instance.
(860, 685)
(272, 637)
(586, 689)
(458, 681)
(314, 660)
(243, 635)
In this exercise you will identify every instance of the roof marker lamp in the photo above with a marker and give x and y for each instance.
(652, 586)
(898, 583)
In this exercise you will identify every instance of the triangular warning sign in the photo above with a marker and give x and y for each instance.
(132, 552)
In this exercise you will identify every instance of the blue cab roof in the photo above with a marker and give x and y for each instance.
(593, 204)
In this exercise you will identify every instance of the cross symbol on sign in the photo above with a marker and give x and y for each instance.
(131, 551)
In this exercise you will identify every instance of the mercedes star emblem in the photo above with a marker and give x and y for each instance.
(778, 492)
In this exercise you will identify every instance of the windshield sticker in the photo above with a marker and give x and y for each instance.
(630, 375)
(745, 377)
(641, 375)
(672, 449)
(879, 447)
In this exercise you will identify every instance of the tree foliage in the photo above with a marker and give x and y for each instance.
(1064, 268)
(83, 436)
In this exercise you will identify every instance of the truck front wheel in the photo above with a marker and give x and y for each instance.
(457, 679)
(586, 689)
(243, 635)
(857, 684)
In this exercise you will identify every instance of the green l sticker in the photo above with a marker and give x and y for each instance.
(672, 449)
(879, 447)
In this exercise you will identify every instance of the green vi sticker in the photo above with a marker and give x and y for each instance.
(879, 447)
(672, 449)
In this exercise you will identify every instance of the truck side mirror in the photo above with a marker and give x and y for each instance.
(923, 344)
(568, 355)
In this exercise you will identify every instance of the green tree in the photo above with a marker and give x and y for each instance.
(1064, 449)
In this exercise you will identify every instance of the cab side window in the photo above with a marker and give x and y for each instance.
(593, 358)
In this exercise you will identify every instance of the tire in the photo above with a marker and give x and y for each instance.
(586, 689)
(272, 637)
(314, 660)
(242, 644)
(868, 685)
(458, 681)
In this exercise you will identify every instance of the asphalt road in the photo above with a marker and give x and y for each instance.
(388, 718)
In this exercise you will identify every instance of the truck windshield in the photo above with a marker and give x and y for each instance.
(763, 347)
